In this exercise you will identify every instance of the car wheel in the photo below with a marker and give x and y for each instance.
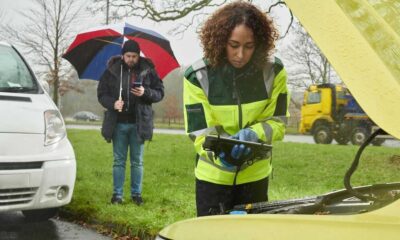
(359, 135)
(38, 215)
(323, 135)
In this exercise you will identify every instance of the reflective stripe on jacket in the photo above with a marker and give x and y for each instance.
(224, 100)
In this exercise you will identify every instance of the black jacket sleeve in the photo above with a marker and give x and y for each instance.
(104, 91)
(155, 92)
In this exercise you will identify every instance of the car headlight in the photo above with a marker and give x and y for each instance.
(55, 128)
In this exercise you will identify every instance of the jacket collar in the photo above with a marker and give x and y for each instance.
(114, 65)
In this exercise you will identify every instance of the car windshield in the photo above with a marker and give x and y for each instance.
(14, 74)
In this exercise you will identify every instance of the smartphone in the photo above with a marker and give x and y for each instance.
(136, 84)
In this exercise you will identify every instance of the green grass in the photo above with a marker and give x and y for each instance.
(80, 122)
(168, 190)
(302, 169)
(169, 125)
(292, 130)
(157, 124)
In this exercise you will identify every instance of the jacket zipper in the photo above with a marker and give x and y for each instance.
(236, 92)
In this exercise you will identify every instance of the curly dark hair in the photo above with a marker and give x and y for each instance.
(217, 30)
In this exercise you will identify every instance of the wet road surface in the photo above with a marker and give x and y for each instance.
(14, 227)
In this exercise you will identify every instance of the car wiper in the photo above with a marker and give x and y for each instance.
(18, 89)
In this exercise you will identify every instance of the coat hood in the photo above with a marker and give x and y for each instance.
(114, 65)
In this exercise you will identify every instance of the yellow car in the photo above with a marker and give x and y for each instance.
(361, 39)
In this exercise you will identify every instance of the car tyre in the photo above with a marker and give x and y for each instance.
(323, 135)
(359, 135)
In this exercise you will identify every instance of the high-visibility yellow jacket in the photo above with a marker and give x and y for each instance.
(224, 100)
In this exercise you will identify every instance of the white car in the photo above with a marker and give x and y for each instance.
(37, 162)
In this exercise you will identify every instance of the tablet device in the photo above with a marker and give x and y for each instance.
(218, 144)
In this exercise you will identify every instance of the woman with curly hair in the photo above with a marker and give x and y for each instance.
(238, 90)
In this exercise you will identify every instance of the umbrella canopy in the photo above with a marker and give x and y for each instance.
(91, 49)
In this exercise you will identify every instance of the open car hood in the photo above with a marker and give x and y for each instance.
(361, 39)
(382, 223)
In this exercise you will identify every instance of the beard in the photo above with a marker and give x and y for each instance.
(131, 64)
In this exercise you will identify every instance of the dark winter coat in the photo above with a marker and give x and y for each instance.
(108, 92)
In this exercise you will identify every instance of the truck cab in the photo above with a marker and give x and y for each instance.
(316, 106)
(317, 112)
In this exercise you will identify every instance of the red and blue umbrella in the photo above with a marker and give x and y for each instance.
(91, 50)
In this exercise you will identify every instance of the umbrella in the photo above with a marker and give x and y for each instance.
(91, 49)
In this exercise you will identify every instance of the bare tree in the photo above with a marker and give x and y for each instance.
(2, 20)
(305, 62)
(171, 109)
(282, 3)
(193, 11)
(45, 36)
(157, 11)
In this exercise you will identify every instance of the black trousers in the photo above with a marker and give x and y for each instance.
(210, 196)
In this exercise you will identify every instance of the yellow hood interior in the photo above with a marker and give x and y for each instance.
(361, 39)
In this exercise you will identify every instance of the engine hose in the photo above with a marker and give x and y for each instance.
(354, 166)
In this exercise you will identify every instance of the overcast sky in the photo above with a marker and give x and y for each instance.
(186, 48)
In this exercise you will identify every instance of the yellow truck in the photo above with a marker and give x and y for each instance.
(330, 112)
(361, 39)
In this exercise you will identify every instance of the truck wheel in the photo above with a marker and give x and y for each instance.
(38, 215)
(341, 140)
(359, 135)
(378, 141)
(322, 135)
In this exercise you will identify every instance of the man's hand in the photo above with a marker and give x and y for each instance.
(118, 105)
(137, 91)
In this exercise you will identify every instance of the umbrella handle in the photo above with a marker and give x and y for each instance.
(120, 88)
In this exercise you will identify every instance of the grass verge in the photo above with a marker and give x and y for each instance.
(168, 190)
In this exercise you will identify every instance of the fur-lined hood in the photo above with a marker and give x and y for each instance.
(114, 65)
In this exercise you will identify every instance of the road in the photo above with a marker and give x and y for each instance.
(309, 139)
(288, 138)
(14, 227)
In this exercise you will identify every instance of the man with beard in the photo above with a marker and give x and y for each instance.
(127, 90)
